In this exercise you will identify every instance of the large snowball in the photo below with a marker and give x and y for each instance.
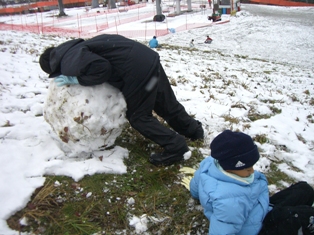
(85, 118)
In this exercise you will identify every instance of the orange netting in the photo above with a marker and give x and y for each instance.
(92, 24)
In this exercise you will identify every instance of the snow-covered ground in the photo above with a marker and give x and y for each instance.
(261, 62)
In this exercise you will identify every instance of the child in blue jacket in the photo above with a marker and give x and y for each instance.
(153, 43)
(236, 199)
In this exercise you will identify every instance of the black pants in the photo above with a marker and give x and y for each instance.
(159, 96)
(292, 210)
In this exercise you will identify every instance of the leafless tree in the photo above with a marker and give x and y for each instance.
(112, 4)
(61, 8)
(95, 4)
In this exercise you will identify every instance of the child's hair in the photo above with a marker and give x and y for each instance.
(234, 150)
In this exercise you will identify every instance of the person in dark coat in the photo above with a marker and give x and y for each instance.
(136, 71)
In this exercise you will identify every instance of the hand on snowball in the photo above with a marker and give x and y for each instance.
(63, 80)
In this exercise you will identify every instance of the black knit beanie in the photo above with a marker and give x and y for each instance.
(234, 150)
(44, 60)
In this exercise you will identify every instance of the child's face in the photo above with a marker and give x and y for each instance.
(246, 172)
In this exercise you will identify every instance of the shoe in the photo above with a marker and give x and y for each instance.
(199, 133)
(166, 158)
(310, 227)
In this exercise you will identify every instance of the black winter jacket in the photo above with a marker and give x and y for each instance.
(122, 62)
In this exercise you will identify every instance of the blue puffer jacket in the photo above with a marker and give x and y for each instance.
(153, 43)
(232, 207)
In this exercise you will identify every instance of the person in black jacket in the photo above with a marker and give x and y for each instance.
(136, 71)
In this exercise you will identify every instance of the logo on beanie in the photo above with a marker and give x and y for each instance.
(239, 164)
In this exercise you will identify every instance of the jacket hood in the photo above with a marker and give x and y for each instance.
(57, 54)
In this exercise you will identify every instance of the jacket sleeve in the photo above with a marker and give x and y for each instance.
(195, 181)
(228, 216)
(89, 68)
(194, 185)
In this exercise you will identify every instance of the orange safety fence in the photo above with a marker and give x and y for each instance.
(96, 29)
(92, 24)
(13, 10)
(145, 34)
(282, 3)
(97, 18)
(41, 6)
(149, 33)
(86, 22)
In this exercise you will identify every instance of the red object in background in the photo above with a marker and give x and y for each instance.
(238, 6)
(210, 4)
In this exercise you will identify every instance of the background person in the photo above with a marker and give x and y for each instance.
(208, 40)
(153, 43)
(210, 4)
(192, 43)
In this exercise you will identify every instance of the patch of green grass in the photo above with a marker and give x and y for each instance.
(100, 203)
(238, 105)
(294, 98)
(267, 72)
(300, 138)
(227, 82)
(272, 101)
(307, 92)
(246, 126)
(253, 115)
(231, 119)
(244, 85)
(310, 118)
(172, 81)
(277, 177)
(256, 116)
(7, 124)
(262, 139)
(275, 110)
(241, 56)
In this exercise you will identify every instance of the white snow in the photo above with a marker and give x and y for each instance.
(261, 61)
(139, 223)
